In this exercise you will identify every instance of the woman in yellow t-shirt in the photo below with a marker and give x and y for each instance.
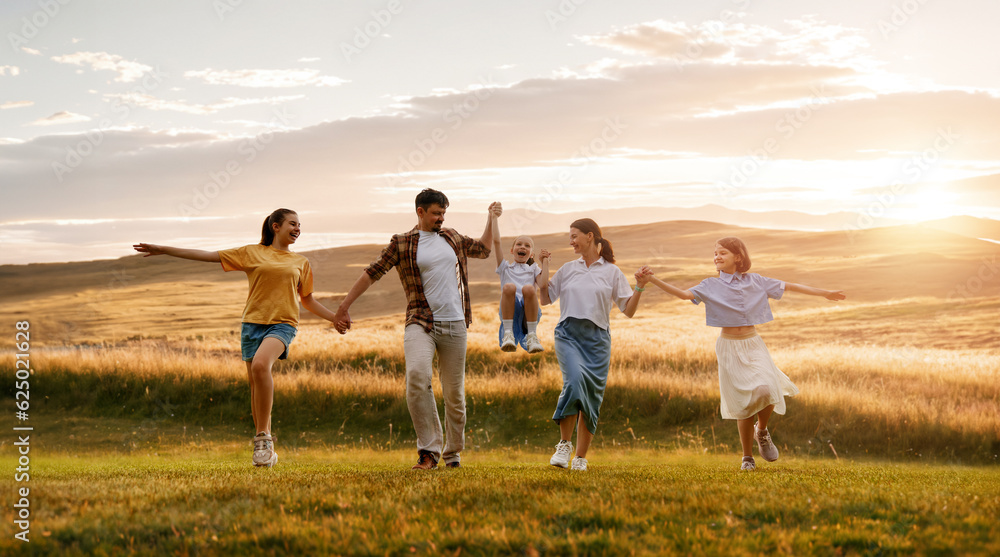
(271, 316)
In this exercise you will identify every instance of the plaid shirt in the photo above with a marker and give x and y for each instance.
(402, 254)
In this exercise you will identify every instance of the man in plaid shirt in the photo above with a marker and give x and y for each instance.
(438, 312)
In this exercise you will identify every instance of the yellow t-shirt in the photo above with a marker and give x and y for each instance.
(277, 279)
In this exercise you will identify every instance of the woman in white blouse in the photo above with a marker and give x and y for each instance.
(587, 288)
(751, 387)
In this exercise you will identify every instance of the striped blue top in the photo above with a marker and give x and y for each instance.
(737, 300)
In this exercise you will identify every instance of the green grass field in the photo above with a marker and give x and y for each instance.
(205, 499)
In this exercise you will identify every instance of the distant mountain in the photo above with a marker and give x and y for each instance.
(96, 300)
(526, 221)
(973, 227)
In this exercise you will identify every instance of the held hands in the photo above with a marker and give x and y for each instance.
(342, 320)
(642, 276)
(544, 255)
(149, 249)
(496, 209)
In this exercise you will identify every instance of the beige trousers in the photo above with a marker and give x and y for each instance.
(448, 339)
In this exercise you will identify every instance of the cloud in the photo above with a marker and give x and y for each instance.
(31, 51)
(16, 104)
(150, 102)
(60, 118)
(806, 41)
(702, 110)
(265, 78)
(127, 71)
(9, 70)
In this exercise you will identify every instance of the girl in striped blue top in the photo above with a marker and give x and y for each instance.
(751, 387)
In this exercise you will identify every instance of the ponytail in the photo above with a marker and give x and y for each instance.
(604, 249)
(267, 231)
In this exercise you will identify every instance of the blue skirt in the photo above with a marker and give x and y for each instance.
(584, 353)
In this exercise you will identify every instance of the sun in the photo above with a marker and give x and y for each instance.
(926, 203)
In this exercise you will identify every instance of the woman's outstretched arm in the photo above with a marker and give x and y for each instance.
(642, 277)
(183, 253)
(318, 309)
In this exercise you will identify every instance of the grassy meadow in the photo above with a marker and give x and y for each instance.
(631, 502)
(141, 409)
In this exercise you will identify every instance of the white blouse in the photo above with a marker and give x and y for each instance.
(589, 292)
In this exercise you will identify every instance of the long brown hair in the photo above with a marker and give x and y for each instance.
(276, 217)
(739, 249)
(604, 248)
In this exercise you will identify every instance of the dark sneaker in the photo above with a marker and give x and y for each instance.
(455, 464)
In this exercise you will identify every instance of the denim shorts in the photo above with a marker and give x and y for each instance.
(254, 333)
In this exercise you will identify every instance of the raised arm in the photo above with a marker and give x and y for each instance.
(542, 280)
(495, 228)
(342, 320)
(495, 211)
(183, 253)
(834, 295)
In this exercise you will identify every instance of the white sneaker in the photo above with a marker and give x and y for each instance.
(767, 449)
(531, 341)
(263, 451)
(579, 463)
(508, 344)
(561, 457)
(748, 464)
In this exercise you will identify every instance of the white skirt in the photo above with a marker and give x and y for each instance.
(748, 379)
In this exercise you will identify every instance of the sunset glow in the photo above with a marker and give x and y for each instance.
(118, 121)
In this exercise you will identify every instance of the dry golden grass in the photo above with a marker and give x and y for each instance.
(902, 351)
(665, 350)
(898, 281)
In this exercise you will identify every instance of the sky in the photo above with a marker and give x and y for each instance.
(186, 122)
